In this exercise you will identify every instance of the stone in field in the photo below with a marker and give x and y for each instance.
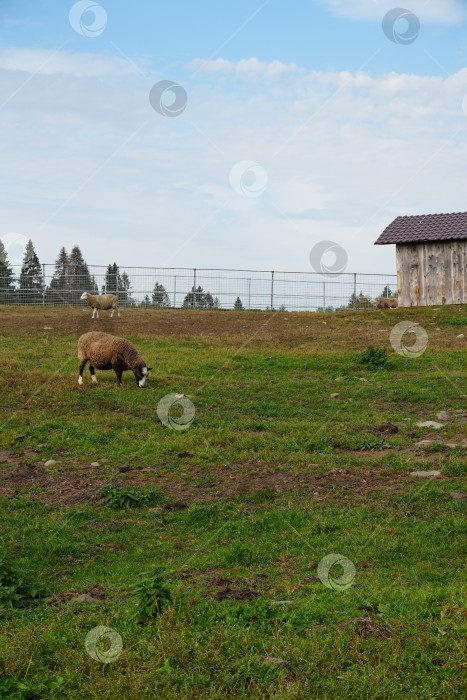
(443, 415)
(50, 463)
(426, 475)
(429, 424)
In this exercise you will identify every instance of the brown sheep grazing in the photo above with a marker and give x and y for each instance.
(105, 351)
(104, 302)
(387, 304)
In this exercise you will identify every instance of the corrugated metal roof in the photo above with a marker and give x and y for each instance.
(428, 227)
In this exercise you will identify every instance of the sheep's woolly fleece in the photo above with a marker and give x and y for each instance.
(103, 349)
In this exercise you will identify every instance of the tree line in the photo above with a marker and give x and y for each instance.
(72, 277)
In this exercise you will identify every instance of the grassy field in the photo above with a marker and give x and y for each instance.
(238, 510)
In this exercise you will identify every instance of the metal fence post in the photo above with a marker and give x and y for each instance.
(175, 291)
(324, 295)
(43, 284)
(355, 291)
(194, 288)
(272, 290)
(249, 293)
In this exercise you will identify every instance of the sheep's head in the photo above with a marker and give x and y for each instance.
(141, 374)
(84, 296)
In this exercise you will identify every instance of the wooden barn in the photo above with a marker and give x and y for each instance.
(431, 253)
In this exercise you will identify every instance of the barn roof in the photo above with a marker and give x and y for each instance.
(428, 227)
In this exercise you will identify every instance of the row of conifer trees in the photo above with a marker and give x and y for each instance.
(70, 278)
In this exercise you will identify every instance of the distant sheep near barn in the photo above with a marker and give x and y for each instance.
(102, 302)
(387, 304)
(105, 351)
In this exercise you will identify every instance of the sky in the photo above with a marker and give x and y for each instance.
(229, 135)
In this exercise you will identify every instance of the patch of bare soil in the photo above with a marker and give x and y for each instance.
(239, 594)
(367, 628)
(77, 486)
(385, 429)
(302, 329)
(94, 595)
(69, 489)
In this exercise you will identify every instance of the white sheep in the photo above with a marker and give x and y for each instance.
(102, 302)
(105, 351)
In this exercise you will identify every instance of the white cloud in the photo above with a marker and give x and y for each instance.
(43, 62)
(88, 161)
(443, 11)
(246, 69)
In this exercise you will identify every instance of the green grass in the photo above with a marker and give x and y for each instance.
(242, 511)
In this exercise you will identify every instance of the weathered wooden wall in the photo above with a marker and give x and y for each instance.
(432, 273)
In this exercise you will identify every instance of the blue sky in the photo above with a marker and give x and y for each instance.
(310, 33)
(346, 128)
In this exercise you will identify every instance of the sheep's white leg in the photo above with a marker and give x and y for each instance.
(80, 380)
(118, 311)
(93, 312)
(111, 315)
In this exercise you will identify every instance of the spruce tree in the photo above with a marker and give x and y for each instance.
(160, 298)
(118, 284)
(238, 306)
(31, 283)
(7, 286)
(59, 288)
(111, 280)
(199, 299)
(80, 277)
(387, 293)
(124, 287)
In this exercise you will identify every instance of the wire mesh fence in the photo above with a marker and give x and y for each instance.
(200, 288)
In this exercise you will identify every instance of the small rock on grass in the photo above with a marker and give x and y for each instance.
(50, 463)
(84, 598)
(334, 396)
(458, 495)
(339, 379)
(460, 336)
(429, 424)
(95, 464)
(124, 468)
(426, 475)
(443, 415)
